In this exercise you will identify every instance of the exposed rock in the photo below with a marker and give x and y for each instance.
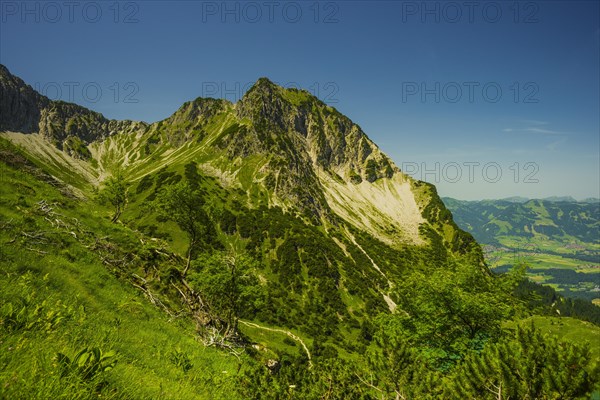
(273, 366)
(21, 105)
(25, 110)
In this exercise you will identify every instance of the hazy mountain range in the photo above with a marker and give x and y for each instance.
(557, 218)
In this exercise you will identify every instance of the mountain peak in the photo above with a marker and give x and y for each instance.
(309, 127)
(263, 81)
(266, 90)
(263, 89)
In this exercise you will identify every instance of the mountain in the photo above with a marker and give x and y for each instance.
(568, 199)
(564, 219)
(278, 156)
(284, 144)
(516, 199)
(272, 229)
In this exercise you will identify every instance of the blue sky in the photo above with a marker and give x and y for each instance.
(455, 93)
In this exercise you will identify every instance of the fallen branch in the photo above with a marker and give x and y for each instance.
(36, 251)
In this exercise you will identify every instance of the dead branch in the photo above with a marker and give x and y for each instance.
(37, 251)
(6, 224)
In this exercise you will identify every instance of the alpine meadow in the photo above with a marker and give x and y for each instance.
(260, 249)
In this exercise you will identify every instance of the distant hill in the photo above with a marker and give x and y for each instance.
(591, 200)
(569, 199)
(516, 199)
(556, 217)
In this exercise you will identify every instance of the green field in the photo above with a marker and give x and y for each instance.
(544, 257)
(58, 297)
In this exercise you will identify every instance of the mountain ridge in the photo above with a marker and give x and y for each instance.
(521, 199)
(300, 153)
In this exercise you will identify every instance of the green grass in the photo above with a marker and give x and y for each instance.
(295, 96)
(58, 297)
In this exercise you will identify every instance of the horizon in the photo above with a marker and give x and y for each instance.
(526, 199)
(533, 131)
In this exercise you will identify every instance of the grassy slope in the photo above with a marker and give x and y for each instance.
(54, 276)
(246, 174)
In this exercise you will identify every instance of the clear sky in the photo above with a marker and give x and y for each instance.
(481, 87)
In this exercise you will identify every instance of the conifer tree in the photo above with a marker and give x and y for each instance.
(526, 365)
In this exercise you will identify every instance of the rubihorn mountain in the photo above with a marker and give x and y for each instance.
(260, 249)
(283, 147)
(276, 155)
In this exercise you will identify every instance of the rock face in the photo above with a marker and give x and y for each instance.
(21, 105)
(328, 139)
(60, 120)
(25, 110)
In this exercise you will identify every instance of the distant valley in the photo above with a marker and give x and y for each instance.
(558, 237)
